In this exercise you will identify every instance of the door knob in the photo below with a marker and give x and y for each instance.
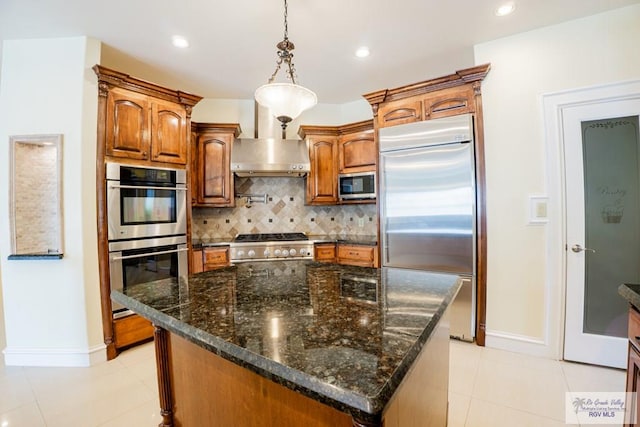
(578, 248)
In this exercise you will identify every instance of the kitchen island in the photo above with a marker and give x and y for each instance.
(286, 343)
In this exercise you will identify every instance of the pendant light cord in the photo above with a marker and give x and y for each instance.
(284, 52)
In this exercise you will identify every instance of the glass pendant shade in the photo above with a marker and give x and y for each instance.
(285, 100)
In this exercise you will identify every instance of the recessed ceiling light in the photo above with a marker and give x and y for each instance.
(505, 9)
(362, 52)
(179, 41)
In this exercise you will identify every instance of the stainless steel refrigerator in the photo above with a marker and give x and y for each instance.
(427, 197)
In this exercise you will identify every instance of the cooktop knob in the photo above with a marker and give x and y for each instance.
(285, 252)
(293, 252)
(251, 253)
(277, 252)
(240, 253)
(266, 253)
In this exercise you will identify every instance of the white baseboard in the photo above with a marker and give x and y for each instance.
(55, 357)
(532, 346)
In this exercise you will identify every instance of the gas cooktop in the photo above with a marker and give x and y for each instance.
(270, 237)
(268, 246)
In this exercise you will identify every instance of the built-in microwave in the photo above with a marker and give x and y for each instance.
(144, 202)
(353, 186)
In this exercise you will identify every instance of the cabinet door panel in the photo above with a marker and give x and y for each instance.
(356, 255)
(127, 127)
(215, 258)
(322, 186)
(400, 112)
(324, 252)
(169, 133)
(449, 102)
(357, 152)
(197, 261)
(633, 378)
(215, 186)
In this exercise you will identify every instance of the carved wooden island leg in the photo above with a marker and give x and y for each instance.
(161, 340)
(357, 423)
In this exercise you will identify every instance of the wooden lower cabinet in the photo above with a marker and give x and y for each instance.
(199, 388)
(209, 258)
(633, 366)
(215, 257)
(324, 252)
(197, 264)
(208, 390)
(131, 330)
(633, 379)
(346, 253)
(360, 255)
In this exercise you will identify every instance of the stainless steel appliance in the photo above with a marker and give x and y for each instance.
(145, 202)
(354, 186)
(146, 260)
(270, 246)
(270, 157)
(427, 205)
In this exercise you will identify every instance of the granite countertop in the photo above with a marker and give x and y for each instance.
(315, 238)
(343, 335)
(631, 293)
(201, 243)
(345, 238)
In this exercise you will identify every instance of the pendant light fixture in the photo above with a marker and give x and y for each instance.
(286, 101)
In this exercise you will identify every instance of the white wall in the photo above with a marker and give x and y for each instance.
(592, 51)
(2, 334)
(52, 307)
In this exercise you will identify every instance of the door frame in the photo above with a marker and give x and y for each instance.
(554, 105)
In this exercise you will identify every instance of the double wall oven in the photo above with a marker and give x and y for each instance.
(147, 225)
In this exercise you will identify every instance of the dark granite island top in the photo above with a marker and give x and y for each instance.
(343, 336)
(631, 293)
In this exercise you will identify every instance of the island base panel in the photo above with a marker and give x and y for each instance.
(208, 390)
(423, 397)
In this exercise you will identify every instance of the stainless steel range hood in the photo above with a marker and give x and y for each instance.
(267, 155)
(270, 157)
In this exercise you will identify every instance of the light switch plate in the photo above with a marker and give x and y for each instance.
(538, 207)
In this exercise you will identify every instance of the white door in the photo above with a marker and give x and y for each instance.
(602, 164)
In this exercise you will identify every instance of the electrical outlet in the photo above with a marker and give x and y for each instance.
(360, 222)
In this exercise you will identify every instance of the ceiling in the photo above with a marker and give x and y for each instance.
(232, 43)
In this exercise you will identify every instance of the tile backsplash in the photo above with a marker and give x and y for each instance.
(284, 211)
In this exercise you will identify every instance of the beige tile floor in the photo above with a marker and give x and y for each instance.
(488, 388)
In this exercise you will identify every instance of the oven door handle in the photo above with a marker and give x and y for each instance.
(118, 258)
(143, 187)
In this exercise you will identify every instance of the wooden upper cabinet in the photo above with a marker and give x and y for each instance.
(214, 169)
(213, 183)
(127, 124)
(433, 105)
(168, 132)
(357, 150)
(322, 182)
(444, 96)
(400, 112)
(449, 102)
(141, 121)
(335, 149)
